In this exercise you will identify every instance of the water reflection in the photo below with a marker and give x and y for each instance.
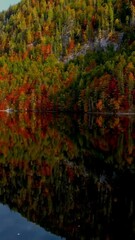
(73, 176)
(13, 226)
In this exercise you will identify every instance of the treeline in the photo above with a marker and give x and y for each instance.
(37, 40)
(60, 25)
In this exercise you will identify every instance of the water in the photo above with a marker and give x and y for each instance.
(14, 226)
(67, 177)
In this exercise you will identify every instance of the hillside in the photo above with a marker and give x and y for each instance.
(68, 55)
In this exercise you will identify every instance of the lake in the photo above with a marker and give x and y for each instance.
(67, 177)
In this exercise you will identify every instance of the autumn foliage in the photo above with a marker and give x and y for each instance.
(52, 58)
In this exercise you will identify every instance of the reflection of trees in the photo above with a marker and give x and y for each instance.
(70, 179)
(74, 209)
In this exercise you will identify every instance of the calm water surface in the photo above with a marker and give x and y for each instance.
(14, 226)
(67, 177)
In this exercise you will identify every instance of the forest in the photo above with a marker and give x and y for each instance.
(68, 55)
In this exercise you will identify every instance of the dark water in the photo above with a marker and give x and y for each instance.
(67, 177)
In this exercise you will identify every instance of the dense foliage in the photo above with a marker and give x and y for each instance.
(68, 55)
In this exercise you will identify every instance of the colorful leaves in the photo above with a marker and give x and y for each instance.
(99, 105)
(46, 50)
